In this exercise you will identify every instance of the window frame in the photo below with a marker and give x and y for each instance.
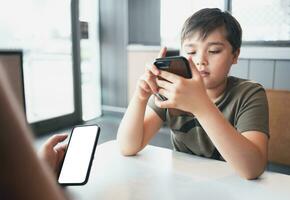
(61, 122)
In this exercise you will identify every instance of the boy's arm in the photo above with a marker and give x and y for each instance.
(139, 124)
(138, 127)
(246, 152)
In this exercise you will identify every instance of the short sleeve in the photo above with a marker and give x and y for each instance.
(161, 112)
(253, 114)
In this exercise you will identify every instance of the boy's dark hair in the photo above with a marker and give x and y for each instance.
(205, 21)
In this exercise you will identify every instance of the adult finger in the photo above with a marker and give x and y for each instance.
(55, 139)
(61, 147)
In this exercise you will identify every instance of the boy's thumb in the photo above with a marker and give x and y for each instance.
(193, 68)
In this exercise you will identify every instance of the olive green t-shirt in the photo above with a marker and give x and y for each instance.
(243, 103)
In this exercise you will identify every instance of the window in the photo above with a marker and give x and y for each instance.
(47, 33)
(47, 49)
(267, 20)
(174, 13)
(263, 22)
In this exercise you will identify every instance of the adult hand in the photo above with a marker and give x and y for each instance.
(52, 152)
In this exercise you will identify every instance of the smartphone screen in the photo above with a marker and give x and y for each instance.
(79, 155)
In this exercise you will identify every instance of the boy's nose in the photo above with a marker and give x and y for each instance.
(201, 60)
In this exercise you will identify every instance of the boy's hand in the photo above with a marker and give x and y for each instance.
(147, 82)
(185, 94)
(52, 152)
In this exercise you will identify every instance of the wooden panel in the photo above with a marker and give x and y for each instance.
(136, 65)
(262, 72)
(282, 72)
(11, 65)
(240, 69)
(279, 110)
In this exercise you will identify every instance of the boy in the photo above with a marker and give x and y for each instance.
(229, 116)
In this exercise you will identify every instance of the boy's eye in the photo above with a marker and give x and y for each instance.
(191, 53)
(214, 52)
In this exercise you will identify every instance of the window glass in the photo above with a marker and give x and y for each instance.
(174, 13)
(42, 29)
(267, 20)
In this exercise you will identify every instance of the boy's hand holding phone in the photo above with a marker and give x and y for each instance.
(175, 64)
(175, 82)
(186, 94)
(147, 82)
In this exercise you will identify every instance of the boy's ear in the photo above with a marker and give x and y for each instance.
(236, 56)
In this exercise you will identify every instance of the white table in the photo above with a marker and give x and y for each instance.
(159, 173)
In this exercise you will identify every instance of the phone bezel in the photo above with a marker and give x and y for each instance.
(170, 58)
(91, 157)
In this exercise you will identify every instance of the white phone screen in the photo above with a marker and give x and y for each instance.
(78, 156)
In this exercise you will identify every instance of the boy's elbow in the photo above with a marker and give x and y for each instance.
(252, 175)
(127, 152)
(127, 149)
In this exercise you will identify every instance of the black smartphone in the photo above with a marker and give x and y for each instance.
(175, 64)
(79, 155)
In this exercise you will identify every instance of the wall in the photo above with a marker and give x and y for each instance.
(144, 22)
(273, 74)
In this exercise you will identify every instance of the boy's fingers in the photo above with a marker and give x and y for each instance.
(162, 52)
(168, 76)
(194, 71)
(153, 69)
(144, 86)
(162, 104)
(149, 78)
(164, 84)
(55, 139)
(163, 92)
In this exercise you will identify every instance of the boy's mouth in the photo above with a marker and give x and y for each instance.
(203, 73)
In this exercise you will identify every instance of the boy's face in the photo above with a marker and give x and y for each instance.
(212, 57)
